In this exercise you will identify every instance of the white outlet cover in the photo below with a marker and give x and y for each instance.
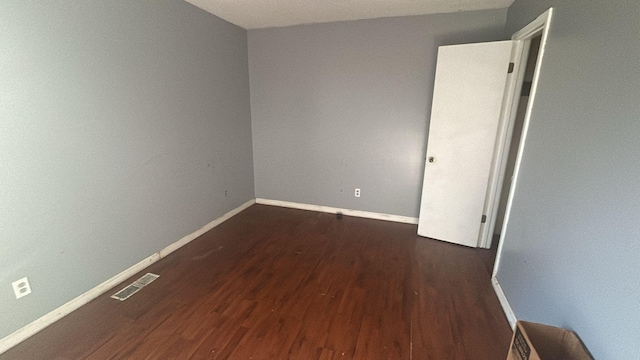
(21, 287)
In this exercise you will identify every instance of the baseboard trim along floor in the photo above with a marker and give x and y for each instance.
(508, 311)
(32, 328)
(334, 210)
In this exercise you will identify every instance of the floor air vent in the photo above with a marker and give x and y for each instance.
(136, 286)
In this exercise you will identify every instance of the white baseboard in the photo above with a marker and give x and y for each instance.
(189, 238)
(333, 210)
(508, 312)
(32, 328)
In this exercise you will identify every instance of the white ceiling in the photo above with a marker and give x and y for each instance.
(255, 14)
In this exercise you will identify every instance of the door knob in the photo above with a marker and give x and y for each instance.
(431, 159)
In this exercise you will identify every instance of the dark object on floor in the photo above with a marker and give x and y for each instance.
(339, 215)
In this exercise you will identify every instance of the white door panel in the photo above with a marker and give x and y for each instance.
(469, 88)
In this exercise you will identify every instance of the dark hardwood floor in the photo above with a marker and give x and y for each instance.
(275, 283)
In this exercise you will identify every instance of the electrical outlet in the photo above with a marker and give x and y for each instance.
(21, 287)
(357, 192)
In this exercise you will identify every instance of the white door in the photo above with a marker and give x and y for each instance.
(467, 99)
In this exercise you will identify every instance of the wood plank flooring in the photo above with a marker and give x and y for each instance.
(275, 283)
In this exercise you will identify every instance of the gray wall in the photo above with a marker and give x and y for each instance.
(571, 249)
(346, 105)
(122, 123)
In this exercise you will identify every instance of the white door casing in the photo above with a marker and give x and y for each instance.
(468, 93)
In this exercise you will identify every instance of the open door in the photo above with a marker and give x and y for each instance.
(468, 94)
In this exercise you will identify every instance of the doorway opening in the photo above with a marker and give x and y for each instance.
(524, 72)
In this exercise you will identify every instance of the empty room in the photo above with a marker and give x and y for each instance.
(294, 179)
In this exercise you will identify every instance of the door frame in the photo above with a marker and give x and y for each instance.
(519, 57)
(541, 25)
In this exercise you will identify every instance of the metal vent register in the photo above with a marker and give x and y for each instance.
(136, 286)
